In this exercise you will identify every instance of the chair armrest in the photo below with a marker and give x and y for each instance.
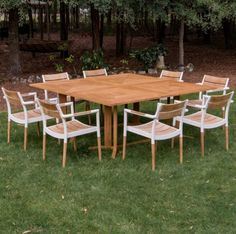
(29, 94)
(29, 103)
(138, 113)
(83, 113)
(65, 104)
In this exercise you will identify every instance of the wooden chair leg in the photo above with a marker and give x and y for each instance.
(181, 149)
(153, 156)
(124, 147)
(87, 107)
(38, 128)
(202, 144)
(25, 137)
(99, 149)
(172, 142)
(227, 138)
(64, 155)
(44, 147)
(75, 144)
(9, 132)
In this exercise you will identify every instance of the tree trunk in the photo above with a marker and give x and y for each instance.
(101, 31)
(120, 37)
(48, 21)
(227, 34)
(14, 55)
(181, 44)
(95, 28)
(77, 16)
(54, 16)
(31, 23)
(41, 22)
(63, 23)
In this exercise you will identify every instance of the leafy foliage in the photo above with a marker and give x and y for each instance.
(149, 56)
(92, 60)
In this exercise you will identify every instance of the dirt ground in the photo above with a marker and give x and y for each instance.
(207, 59)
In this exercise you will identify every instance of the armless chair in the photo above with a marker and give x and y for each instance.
(69, 127)
(155, 130)
(29, 113)
(202, 119)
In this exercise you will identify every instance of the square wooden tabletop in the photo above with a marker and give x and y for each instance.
(121, 88)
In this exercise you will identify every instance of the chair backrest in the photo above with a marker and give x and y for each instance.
(92, 73)
(221, 83)
(220, 101)
(54, 77)
(12, 97)
(170, 111)
(175, 75)
(49, 109)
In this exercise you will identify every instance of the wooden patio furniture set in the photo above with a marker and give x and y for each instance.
(115, 90)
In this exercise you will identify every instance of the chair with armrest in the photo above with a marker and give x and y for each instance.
(202, 119)
(29, 111)
(69, 127)
(155, 130)
(171, 75)
(221, 84)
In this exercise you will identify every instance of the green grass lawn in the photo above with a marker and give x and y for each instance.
(115, 196)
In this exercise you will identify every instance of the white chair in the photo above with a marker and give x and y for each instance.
(67, 128)
(204, 120)
(221, 84)
(26, 116)
(54, 77)
(95, 73)
(171, 75)
(156, 130)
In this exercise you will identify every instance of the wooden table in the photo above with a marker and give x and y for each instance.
(116, 90)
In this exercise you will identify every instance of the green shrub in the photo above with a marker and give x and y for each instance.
(92, 60)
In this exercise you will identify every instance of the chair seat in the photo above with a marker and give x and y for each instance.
(210, 120)
(32, 114)
(193, 103)
(72, 126)
(162, 131)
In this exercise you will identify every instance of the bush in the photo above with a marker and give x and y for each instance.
(148, 56)
(92, 60)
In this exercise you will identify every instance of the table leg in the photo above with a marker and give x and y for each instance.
(62, 99)
(107, 126)
(115, 132)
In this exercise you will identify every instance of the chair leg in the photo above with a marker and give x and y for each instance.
(202, 144)
(8, 132)
(124, 147)
(25, 137)
(64, 155)
(38, 128)
(75, 144)
(87, 107)
(172, 142)
(153, 156)
(99, 149)
(181, 149)
(227, 138)
(44, 146)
